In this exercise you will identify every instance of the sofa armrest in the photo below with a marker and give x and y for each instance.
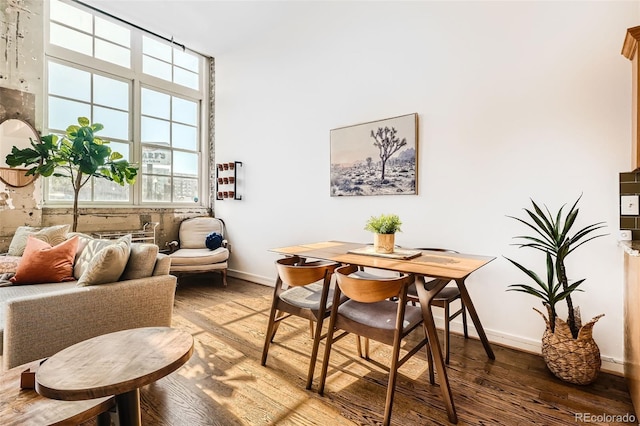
(39, 326)
(163, 265)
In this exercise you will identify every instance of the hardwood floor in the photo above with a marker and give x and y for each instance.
(224, 384)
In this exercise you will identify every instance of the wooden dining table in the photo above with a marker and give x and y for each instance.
(433, 270)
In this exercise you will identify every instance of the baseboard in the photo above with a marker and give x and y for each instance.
(609, 364)
(258, 279)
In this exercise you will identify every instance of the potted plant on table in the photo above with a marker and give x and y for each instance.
(384, 228)
(568, 348)
(79, 155)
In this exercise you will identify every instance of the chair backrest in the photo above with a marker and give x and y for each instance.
(193, 232)
(367, 290)
(295, 272)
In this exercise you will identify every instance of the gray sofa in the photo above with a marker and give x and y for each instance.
(39, 320)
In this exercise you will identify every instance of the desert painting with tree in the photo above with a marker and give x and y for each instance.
(375, 158)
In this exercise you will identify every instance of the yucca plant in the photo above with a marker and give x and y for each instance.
(553, 236)
(79, 155)
(549, 292)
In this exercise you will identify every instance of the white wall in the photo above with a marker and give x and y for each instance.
(515, 100)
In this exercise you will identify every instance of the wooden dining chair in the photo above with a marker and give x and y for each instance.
(444, 299)
(302, 289)
(369, 312)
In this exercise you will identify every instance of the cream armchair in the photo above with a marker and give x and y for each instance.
(191, 255)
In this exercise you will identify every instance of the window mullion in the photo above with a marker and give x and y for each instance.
(137, 145)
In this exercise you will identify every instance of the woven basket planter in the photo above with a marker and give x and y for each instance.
(575, 361)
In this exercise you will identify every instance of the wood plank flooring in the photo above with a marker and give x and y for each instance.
(224, 383)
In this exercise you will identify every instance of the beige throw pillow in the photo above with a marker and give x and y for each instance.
(107, 264)
(88, 248)
(142, 260)
(53, 235)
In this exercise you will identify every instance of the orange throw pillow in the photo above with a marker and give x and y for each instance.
(42, 263)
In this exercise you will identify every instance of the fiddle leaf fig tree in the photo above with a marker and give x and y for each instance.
(79, 155)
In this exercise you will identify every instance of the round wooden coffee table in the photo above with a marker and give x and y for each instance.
(24, 407)
(115, 364)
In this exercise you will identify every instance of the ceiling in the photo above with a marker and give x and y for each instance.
(210, 27)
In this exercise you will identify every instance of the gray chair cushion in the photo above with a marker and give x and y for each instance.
(307, 296)
(380, 314)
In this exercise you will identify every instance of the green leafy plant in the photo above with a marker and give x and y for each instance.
(79, 155)
(384, 224)
(553, 236)
(550, 292)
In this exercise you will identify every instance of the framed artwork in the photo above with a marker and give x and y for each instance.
(375, 158)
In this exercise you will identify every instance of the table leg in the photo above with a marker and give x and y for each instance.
(104, 419)
(425, 297)
(128, 407)
(466, 299)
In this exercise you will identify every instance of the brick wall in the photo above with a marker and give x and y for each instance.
(630, 185)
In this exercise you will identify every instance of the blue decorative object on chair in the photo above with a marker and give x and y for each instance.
(213, 241)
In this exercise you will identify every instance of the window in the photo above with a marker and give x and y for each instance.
(148, 94)
(171, 64)
(74, 93)
(90, 35)
(169, 136)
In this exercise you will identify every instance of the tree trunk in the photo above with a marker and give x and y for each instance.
(571, 319)
(552, 317)
(76, 193)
